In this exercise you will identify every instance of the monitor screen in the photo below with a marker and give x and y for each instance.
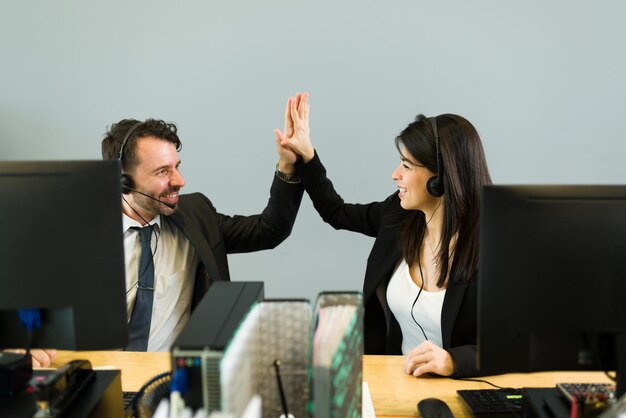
(552, 277)
(62, 253)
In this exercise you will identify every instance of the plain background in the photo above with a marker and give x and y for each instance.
(544, 82)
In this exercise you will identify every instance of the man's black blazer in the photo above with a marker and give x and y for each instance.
(214, 235)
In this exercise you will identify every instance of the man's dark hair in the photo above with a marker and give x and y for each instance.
(112, 142)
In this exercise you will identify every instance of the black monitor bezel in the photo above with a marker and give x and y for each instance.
(533, 316)
(63, 254)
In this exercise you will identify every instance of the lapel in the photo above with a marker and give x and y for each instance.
(187, 225)
(451, 306)
(386, 252)
(381, 262)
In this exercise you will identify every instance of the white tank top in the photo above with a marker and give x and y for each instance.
(401, 293)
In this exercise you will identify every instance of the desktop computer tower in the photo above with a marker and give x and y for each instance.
(200, 346)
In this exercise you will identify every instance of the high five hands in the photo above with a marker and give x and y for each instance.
(295, 141)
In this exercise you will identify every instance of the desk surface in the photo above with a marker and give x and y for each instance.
(394, 394)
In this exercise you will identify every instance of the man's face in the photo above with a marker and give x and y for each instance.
(156, 174)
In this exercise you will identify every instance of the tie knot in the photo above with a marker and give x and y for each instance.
(145, 233)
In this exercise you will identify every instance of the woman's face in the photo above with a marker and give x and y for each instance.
(411, 178)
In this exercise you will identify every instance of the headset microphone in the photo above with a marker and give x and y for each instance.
(128, 189)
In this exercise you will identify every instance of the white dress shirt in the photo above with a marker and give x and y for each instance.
(175, 262)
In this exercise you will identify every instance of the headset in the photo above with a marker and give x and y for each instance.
(126, 180)
(435, 183)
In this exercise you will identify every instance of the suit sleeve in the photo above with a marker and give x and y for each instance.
(362, 218)
(269, 228)
(460, 327)
(464, 358)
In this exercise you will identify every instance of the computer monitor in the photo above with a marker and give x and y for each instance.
(62, 253)
(552, 278)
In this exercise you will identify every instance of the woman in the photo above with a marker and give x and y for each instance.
(420, 283)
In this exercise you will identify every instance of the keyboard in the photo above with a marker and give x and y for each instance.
(493, 403)
(603, 390)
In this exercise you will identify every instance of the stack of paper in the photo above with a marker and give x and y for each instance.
(337, 356)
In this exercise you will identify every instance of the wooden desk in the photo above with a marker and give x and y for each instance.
(394, 394)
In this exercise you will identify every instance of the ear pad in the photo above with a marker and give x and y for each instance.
(435, 186)
(435, 183)
(126, 181)
(127, 184)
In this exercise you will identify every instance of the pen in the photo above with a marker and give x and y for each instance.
(281, 392)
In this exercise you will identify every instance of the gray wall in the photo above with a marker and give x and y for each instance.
(544, 83)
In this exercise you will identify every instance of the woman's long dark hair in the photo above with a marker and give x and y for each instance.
(464, 173)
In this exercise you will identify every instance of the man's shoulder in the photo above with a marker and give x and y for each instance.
(192, 197)
(193, 202)
(192, 207)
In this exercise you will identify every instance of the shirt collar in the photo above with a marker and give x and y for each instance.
(128, 222)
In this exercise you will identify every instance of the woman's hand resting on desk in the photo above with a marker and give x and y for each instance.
(42, 357)
(428, 358)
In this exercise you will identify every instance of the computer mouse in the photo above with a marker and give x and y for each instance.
(434, 408)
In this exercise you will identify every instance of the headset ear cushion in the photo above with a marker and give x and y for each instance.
(435, 186)
(127, 184)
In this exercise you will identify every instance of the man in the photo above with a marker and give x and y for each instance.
(189, 238)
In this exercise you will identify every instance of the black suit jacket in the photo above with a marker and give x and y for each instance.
(214, 235)
(383, 220)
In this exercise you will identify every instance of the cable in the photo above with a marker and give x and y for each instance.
(608, 374)
(419, 265)
(156, 244)
(468, 379)
(148, 396)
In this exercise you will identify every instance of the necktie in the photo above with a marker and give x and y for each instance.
(139, 326)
